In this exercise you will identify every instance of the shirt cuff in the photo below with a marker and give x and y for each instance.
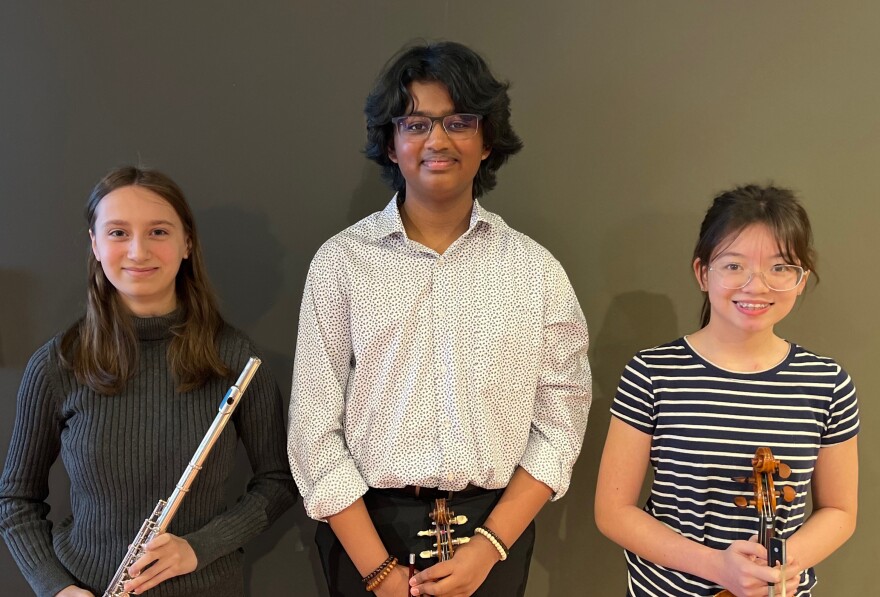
(334, 492)
(542, 461)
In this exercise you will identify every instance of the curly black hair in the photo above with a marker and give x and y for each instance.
(473, 89)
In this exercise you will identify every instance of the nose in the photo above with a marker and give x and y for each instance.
(137, 248)
(437, 136)
(756, 281)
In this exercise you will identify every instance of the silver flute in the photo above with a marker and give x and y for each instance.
(165, 510)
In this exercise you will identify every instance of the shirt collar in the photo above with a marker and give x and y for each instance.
(389, 223)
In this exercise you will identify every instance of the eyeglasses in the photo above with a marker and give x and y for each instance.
(780, 278)
(457, 126)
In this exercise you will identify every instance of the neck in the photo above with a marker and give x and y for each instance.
(741, 351)
(153, 308)
(436, 225)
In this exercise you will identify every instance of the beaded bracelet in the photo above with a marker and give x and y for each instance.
(374, 583)
(376, 572)
(495, 541)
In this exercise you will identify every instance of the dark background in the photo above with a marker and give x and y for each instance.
(634, 114)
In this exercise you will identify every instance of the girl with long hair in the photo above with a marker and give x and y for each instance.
(125, 396)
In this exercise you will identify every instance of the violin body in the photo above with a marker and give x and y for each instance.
(764, 466)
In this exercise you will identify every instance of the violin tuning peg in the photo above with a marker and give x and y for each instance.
(784, 471)
(739, 479)
(740, 502)
(426, 533)
(428, 554)
(788, 493)
(460, 519)
(461, 540)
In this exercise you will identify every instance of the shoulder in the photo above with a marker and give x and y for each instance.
(517, 246)
(811, 365)
(46, 356)
(367, 231)
(43, 370)
(661, 360)
(670, 353)
(811, 360)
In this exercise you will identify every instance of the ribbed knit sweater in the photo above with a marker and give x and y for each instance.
(123, 453)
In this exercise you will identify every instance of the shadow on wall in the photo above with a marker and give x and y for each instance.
(244, 261)
(572, 547)
(634, 321)
(287, 544)
(371, 194)
(16, 325)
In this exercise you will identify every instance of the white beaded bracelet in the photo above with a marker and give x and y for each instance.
(502, 550)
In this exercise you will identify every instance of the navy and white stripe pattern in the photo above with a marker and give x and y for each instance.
(706, 424)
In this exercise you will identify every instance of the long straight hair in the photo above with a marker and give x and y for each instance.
(102, 347)
(775, 207)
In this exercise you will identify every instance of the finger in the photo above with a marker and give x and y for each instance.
(435, 572)
(157, 541)
(749, 548)
(765, 574)
(142, 562)
(150, 579)
(428, 588)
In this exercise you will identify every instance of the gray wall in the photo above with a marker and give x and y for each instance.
(634, 113)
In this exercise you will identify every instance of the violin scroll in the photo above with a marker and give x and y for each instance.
(444, 544)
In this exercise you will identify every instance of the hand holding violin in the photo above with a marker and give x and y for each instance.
(461, 575)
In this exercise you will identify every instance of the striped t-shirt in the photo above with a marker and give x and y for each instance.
(706, 424)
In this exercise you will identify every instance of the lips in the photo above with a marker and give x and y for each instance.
(140, 272)
(438, 162)
(752, 306)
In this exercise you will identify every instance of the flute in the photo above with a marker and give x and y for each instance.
(158, 521)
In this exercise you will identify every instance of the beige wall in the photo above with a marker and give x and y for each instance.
(634, 113)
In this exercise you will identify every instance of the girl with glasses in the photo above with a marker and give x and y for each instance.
(698, 407)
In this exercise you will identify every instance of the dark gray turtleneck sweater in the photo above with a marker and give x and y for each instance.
(123, 453)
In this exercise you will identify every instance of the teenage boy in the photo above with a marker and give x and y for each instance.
(441, 354)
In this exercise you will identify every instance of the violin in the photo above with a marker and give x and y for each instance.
(444, 544)
(764, 466)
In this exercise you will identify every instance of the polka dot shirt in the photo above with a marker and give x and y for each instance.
(438, 370)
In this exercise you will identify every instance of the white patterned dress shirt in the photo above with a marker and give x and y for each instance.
(416, 368)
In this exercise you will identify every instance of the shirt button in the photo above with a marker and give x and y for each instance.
(447, 424)
(450, 476)
(444, 369)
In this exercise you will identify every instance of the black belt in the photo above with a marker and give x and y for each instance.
(433, 493)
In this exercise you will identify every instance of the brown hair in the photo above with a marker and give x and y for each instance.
(102, 348)
(775, 207)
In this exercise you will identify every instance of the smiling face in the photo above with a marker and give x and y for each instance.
(140, 242)
(436, 168)
(754, 308)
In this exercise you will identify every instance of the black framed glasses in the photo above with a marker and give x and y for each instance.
(457, 126)
(781, 277)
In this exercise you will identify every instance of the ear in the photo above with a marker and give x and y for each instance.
(486, 152)
(702, 274)
(186, 253)
(803, 285)
(392, 153)
(94, 246)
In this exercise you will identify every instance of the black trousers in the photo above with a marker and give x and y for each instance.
(398, 518)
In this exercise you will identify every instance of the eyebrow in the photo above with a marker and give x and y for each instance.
(734, 254)
(420, 113)
(109, 223)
